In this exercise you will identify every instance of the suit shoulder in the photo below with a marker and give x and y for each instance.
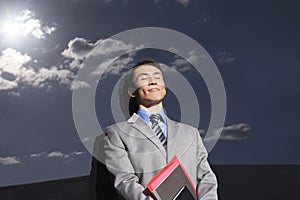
(186, 126)
(116, 126)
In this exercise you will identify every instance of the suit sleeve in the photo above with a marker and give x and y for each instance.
(119, 165)
(206, 179)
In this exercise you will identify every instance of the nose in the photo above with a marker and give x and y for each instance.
(152, 81)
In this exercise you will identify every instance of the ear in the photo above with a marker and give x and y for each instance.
(131, 92)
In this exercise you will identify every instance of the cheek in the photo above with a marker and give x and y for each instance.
(161, 83)
(141, 83)
(141, 91)
(163, 91)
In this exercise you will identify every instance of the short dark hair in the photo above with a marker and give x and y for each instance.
(129, 104)
(147, 62)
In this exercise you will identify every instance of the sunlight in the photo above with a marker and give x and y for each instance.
(11, 29)
(24, 24)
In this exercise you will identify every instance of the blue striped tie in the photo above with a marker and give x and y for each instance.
(155, 118)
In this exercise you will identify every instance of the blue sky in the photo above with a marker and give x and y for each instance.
(254, 44)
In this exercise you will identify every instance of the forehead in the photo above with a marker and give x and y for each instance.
(146, 69)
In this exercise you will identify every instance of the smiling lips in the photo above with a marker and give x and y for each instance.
(153, 90)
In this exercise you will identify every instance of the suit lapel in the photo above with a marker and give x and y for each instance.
(140, 125)
(173, 128)
(176, 137)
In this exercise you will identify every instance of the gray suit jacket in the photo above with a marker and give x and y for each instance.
(134, 154)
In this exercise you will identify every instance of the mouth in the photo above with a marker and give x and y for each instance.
(153, 90)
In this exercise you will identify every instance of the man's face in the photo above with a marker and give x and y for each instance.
(150, 85)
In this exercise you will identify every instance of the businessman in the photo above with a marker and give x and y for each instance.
(135, 150)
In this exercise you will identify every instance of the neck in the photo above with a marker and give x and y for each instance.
(153, 109)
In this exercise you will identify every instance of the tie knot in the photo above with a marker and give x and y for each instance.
(155, 118)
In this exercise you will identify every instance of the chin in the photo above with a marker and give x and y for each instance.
(157, 98)
(150, 102)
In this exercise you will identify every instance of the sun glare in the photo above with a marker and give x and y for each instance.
(15, 27)
(11, 29)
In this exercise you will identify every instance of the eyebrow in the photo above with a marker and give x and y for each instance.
(141, 74)
(157, 73)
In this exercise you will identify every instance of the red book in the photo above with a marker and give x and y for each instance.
(169, 181)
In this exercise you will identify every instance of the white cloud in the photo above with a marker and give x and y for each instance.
(11, 61)
(66, 158)
(57, 154)
(238, 131)
(78, 48)
(109, 46)
(181, 64)
(115, 68)
(192, 57)
(36, 155)
(225, 57)
(49, 30)
(14, 71)
(9, 160)
(77, 153)
(39, 79)
(85, 139)
(25, 24)
(7, 85)
(120, 64)
(235, 132)
(101, 68)
(15, 62)
(72, 64)
(79, 84)
(183, 2)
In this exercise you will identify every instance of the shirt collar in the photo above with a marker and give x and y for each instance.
(146, 114)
